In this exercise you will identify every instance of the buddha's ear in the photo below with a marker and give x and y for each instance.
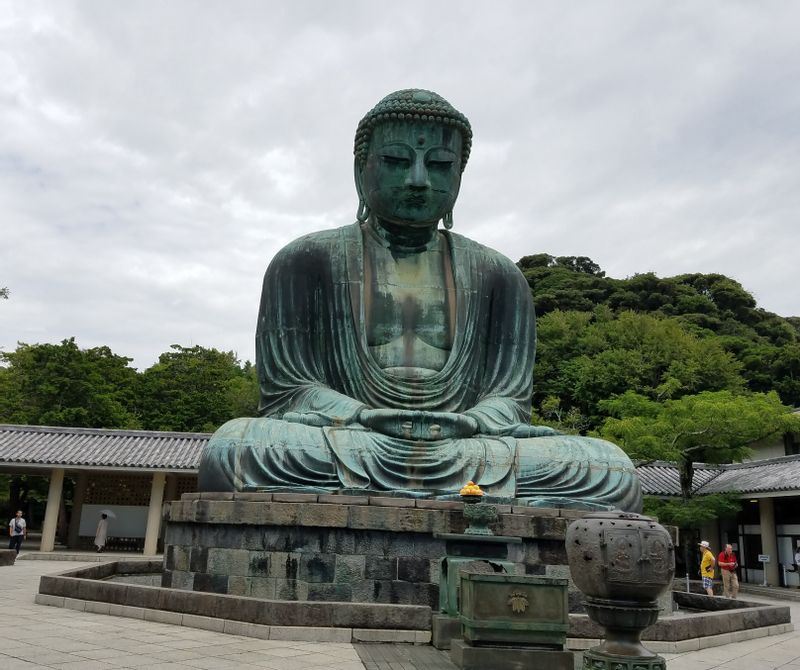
(363, 209)
(358, 175)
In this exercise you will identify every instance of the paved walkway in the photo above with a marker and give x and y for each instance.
(48, 637)
(765, 653)
(36, 636)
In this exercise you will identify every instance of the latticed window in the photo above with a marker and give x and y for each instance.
(118, 489)
(185, 484)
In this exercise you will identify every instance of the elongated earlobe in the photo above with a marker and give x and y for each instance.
(363, 208)
(363, 211)
(447, 220)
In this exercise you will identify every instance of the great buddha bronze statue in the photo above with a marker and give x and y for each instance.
(394, 356)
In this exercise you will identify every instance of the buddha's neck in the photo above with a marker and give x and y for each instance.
(403, 238)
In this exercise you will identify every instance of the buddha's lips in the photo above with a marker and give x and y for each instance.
(414, 200)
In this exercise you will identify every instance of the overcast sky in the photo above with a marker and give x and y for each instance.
(155, 155)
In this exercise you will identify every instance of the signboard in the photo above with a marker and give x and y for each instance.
(763, 558)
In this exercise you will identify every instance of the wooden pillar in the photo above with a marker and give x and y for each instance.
(154, 514)
(172, 488)
(51, 511)
(81, 484)
(769, 541)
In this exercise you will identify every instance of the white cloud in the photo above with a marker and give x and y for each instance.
(153, 157)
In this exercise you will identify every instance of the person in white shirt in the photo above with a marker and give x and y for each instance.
(17, 531)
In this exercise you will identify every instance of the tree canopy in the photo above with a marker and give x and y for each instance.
(196, 389)
(712, 307)
(709, 427)
(188, 389)
(63, 385)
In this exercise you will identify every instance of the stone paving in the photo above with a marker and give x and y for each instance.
(766, 653)
(37, 636)
(48, 637)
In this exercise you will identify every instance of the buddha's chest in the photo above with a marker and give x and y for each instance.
(409, 309)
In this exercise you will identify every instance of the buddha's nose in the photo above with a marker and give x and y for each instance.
(418, 174)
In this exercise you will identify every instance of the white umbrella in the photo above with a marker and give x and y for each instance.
(108, 513)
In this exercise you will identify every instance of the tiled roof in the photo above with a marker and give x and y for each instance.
(99, 447)
(773, 474)
(660, 478)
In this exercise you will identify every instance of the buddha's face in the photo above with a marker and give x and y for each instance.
(412, 172)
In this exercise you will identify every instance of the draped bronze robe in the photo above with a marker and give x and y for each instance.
(312, 358)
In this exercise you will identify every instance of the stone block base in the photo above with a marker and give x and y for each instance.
(444, 629)
(467, 657)
(338, 548)
(7, 556)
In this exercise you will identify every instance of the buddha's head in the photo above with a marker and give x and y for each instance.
(410, 151)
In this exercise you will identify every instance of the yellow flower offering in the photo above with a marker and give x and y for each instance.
(471, 489)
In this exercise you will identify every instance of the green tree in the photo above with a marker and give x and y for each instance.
(585, 358)
(710, 427)
(63, 385)
(196, 389)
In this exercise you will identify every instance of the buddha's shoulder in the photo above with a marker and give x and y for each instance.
(482, 254)
(320, 239)
(319, 242)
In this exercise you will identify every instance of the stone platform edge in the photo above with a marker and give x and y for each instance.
(362, 513)
(233, 627)
(693, 644)
(356, 635)
(696, 626)
(87, 584)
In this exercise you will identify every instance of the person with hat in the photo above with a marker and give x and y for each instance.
(707, 567)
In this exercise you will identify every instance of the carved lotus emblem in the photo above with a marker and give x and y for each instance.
(518, 602)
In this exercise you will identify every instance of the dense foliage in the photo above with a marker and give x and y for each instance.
(188, 389)
(686, 369)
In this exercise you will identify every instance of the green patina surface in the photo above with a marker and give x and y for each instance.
(397, 356)
(514, 609)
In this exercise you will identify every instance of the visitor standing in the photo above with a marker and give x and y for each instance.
(797, 560)
(17, 531)
(101, 535)
(707, 567)
(727, 567)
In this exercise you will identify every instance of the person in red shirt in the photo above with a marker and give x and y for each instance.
(727, 565)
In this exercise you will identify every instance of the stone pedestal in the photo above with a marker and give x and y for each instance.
(344, 548)
(468, 657)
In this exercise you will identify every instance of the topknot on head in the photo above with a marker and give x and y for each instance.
(412, 104)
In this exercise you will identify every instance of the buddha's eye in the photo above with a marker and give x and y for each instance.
(440, 164)
(440, 159)
(395, 161)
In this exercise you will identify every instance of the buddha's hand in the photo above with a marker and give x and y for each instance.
(307, 418)
(418, 425)
(523, 431)
(320, 420)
